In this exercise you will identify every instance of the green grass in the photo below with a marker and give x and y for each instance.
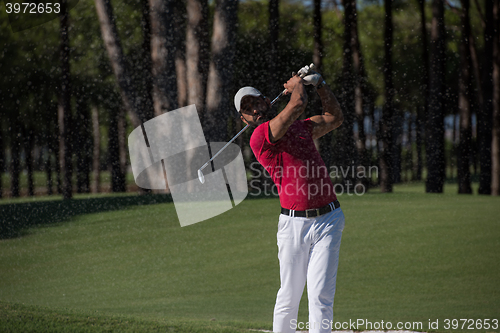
(406, 256)
(26, 318)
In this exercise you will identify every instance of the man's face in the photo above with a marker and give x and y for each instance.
(255, 110)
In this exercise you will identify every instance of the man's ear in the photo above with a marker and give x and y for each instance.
(243, 119)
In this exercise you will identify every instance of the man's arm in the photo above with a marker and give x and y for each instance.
(332, 116)
(297, 104)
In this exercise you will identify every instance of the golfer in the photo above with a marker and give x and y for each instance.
(311, 221)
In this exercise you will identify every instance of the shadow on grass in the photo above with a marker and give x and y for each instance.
(16, 217)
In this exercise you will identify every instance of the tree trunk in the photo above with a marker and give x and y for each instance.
(397, 133)
(48, 165)
(115, 153)
(435, 117)
(64, 108)
(122, 146)
(163, 56)
(29, 143)
(345, 148)
(408, 150)
(96, 153)
(417, 166)
(318, 41)
(373, 152)
(197, 56)
(495, 142)
(15, 153)
(219, 101)
(38, 152)
(484, 128)
(386, 172)
(145, 88)
(144, 93)
(415, 139)
(359, 94)
(422, 110)
(464, 104)
(2, 156)
(275, 85)
(115, 165)
(134, 105)
(378, 137)
(180, 54)
(475, 68)
(325, 142)
(83, 142)
(452, 161)
(55, 149)
(180, 70)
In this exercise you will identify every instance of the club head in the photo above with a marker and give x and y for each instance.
(201, 178)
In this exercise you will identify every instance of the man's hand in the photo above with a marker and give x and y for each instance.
(313, 78)
(292, 83)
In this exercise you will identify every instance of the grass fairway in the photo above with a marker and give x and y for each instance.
(406, 256)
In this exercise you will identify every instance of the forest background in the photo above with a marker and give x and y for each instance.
(418, 82)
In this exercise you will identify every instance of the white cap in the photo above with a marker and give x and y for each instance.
(245, 91)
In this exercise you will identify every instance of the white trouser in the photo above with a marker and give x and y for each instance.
(308, 249)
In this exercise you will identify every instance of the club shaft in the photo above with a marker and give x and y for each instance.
(302, 75)
(227, 144)
(281, 94)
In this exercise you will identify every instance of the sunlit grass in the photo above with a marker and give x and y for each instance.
(404, 256)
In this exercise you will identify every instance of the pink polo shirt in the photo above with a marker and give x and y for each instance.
(295, 166)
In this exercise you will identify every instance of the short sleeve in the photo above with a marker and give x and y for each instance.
(308, 123)
(266, 133)
(259, 142)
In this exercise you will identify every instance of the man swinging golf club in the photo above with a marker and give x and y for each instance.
(311, 221)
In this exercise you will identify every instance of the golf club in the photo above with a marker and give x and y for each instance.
(302, 72)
